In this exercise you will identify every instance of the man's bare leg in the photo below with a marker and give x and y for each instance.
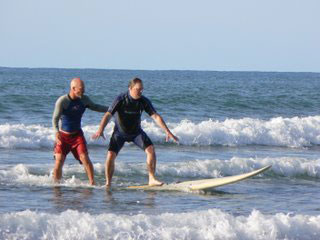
(57, 171)
(84, 158)
(109, 167)
(151, 164)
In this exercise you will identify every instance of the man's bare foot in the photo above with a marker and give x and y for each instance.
(155, 182)
(108, 186)
(56, 181)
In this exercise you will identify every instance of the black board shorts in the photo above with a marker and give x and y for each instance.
(117, 141)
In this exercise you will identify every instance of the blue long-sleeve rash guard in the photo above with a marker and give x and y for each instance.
(70, 112)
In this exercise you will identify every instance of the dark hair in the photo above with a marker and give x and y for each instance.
(134, 81)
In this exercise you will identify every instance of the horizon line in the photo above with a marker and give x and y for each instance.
(191, 70)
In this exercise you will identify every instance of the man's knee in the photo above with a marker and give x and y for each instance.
(59, 158)
(150, 150)
(84, 158)
(111, 155)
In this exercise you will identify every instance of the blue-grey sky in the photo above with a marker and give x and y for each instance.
(229, 35)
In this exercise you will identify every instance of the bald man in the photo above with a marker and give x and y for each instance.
(66, 123)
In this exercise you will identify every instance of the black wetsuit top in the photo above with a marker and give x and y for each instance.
(128, 111)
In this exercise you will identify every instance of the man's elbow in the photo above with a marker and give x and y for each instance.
(155, 116)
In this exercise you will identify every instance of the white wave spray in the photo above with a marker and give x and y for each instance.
(74, 175)
(287, 132)
(211, 224)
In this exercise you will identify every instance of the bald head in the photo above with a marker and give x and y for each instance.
(76, 82)
(76, 88)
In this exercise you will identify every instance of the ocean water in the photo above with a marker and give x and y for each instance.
(228, 123)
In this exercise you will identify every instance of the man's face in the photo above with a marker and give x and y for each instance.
(136, 91)
(79, 90)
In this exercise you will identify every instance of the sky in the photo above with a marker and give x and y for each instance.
(228, 35)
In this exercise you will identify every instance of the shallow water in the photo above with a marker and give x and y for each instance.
(228, 123)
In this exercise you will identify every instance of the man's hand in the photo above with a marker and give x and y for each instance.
(97, 135)
(104, 121)
(173, 137)
(158, 119)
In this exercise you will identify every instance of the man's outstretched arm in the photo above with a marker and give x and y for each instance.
(104, 121)
(93, 106)
(161, 123)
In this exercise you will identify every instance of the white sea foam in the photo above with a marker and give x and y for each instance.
(25, 136)
(210, 224)
(288, 132)
(74, 175)
(37, 136)
(211, 168)
(22, 174)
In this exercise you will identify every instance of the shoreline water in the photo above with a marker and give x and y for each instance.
(228, 123)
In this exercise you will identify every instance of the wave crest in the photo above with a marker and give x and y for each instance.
(285, 132)
(125, 173)
(211, 224)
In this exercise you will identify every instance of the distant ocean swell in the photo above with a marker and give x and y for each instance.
(41, 174)
(211, 224)
(285, 132)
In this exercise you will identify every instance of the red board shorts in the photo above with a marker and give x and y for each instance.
(74, 142)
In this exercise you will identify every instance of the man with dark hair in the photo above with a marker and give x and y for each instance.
(127, 109)
(69, 136)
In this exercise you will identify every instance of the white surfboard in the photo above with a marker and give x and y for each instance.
(201, 184)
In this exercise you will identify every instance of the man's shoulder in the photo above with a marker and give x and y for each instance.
(148, 107)
(117, 102)
(121, 96)
(63, 98)
(145, 99)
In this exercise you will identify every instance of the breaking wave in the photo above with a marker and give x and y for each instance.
(74, 175)
(284, 132)
(210, 224)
